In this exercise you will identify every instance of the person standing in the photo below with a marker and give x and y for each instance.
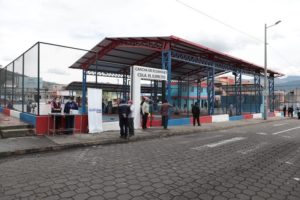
(164, 111)
(230, 110)
(56, 109)
(123, 111)
(131, 119)
(145, 112)
(196, 113)
(284, 110)
(292, 111)
(70, 105)
(298, 112)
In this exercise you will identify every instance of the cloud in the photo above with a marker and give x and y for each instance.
(226, 45)
(84, 23)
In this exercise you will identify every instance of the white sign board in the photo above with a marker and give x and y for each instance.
(95, 110)
(138, 73)
(150, 73)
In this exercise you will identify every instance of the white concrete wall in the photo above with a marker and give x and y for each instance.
(110, 126)
(278, 114)
(15, 113)
(220, 118)
(257, 115)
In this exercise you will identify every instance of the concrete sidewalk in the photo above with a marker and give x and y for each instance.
(35, 144)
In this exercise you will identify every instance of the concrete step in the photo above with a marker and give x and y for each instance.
(20, 132)
(20, 126)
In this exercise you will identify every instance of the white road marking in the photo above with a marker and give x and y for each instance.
(262, 133)
(280, 124)
(289, 163)
(199, 139)
(297, 179)
(253, 149)
(222, 142)
(225, 142)
(286, 130)
(223, 131)
(287, 136)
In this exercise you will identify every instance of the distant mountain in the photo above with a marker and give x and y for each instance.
(287, 83)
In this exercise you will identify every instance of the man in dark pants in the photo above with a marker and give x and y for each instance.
(284, 110)
(123, 111)
(130, 119)
(70, 105)
(55, 108)
(196, 114)
(164, 111)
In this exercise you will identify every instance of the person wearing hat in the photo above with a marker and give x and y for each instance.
(123, 111)
(130, 119)
(145, 112)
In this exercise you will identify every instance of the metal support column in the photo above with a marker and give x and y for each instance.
(23, 93)
(188, 96)
(5, 89)
(155, 95)
(211, 90)
(271, 93)
(238, 92)
(151, 90)
(124, 87)
(198, 91)
(167, 64)
(96, 73)
(38, 84)
(83, 99)
(179, 90)
(257, 92)
(13, 83)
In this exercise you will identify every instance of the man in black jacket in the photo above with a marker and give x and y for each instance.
(123, 111)
(196, 114)
(70, 105)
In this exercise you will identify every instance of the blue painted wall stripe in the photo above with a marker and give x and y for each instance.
(234, 118)
(178, 122)
(28, 118)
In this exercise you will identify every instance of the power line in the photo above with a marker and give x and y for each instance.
(281, 56)
(233, 28)
(219, 21)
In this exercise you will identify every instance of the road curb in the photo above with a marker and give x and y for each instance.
(58, 147)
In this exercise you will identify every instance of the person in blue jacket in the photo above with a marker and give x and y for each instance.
(123, 111)
(70, 105)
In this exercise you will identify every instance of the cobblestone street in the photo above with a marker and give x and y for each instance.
(254, 162)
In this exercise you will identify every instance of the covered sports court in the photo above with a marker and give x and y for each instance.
(35, 74)
(187, 63)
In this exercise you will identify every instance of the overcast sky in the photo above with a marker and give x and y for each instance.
(84, 23)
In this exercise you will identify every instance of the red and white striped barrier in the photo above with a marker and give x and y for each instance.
(220, 118)
(15, 113)
(257, 116)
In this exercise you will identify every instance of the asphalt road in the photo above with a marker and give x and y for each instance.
(251, 162)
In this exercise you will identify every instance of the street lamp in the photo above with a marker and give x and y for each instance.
(266, 71)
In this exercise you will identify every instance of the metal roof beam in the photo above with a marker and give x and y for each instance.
(206, 63)
(100, 54)
(147, 59)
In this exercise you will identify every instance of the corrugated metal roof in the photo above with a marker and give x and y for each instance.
(117, 54)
